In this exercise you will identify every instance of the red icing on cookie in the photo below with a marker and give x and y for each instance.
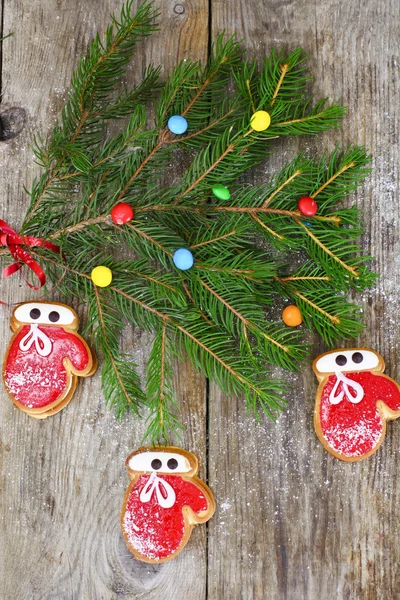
(354, 429)
(154, 531)
(36, 381)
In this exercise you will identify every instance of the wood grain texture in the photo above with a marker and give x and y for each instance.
(62, 481)
(292, 522)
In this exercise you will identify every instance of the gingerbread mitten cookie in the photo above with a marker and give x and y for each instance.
(354, 401)
(164, 501)
(45, 357)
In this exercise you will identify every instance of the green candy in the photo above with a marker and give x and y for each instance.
(221, 192)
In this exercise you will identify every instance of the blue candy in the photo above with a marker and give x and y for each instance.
(183, 259)
(177, 124)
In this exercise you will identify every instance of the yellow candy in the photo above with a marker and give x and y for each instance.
(291, 316)
(101, 276)
(260, 120)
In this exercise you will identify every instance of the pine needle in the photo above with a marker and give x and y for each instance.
(254, 252)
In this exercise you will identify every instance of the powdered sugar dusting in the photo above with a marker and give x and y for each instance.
(37, 377)
(355, 429)
(147, 545)
(36, 380)
(156, 529)
(356, 437)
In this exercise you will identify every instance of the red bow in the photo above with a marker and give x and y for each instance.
(11, 240)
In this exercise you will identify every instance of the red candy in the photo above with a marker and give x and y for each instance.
(307, 206)
(122, 213)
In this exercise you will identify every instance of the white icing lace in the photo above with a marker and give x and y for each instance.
(347, 384)
(155, 484)
(36, 336)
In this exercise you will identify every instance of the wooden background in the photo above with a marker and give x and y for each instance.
(292, 522)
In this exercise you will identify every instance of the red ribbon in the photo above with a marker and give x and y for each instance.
(11, 240)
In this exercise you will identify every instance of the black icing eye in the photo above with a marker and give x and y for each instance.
(35, 313)
(357, 357)
(341, 360)
(172, 463)
(54, 316)
(156, 464)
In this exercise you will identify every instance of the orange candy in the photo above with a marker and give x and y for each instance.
(291, 316)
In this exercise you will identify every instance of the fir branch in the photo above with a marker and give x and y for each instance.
(236, 306)
(295, 214)
(330, 115)
(6, 36)
(213, 240)
(209, 352)
(283, 78)
(161, 397)
(206, 129)
(245, 321)
(189, 295)
(351, 269)
(148, 238)
(120, 382)
(284, 69)
(324, 309)
(334, 319)
(280, 188)
(139, 169)
(305, 278)
(79, 226)
(332, 178)
(265, 394)
(264, 226)
(244, 248)
(230, 148)
(105, 64)
(253, 107)
(127, 101)
(92, 83)
(224, 56)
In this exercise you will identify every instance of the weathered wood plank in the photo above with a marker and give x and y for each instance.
(293, 522)
(62, 481)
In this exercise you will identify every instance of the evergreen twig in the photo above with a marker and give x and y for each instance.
(253, 252)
